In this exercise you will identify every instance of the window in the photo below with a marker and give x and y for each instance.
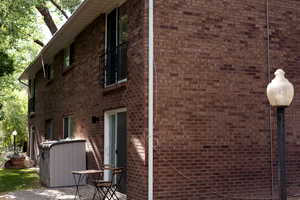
(49, 72)
(68, 127)
(69, 56)
(31, 102)
(32, 88)
(123, 26)
(49, 129)
(116, 46)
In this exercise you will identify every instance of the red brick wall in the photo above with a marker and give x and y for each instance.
(212, 135)
(212, 116)
(285, 49)
(79, 92)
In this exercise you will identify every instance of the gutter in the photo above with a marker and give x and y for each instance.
(23, 83)
(150, 101)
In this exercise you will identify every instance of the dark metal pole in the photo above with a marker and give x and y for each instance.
(14, 144)
(281, 153)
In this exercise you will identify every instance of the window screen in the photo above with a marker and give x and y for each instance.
(49, 129)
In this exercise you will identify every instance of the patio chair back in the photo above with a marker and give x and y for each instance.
(108, 170)
(118, 174)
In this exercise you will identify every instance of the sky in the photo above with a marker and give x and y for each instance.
(47, 33)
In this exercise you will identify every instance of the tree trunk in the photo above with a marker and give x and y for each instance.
(59, 8)
(47, 18)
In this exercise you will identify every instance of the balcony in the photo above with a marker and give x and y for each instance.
(115, 65)
(31, 105)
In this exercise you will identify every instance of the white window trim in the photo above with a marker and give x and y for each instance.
(107, 114)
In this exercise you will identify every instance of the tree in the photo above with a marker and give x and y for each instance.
(62, 6)
(44, 11)
(6, 64)
(17, 23)
(15, 119)
(20, 40)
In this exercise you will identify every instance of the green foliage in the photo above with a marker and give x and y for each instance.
(2, 115)
(69, 5)
(16, 51)
(13, 180)
(19, 27)
(6, 64)
(13, 97)
(17, 21)
(15, 118)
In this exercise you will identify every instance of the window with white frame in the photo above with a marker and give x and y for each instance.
(69, 55)
(49, 72)
(68, 127)
(49, 129)
(116, 46)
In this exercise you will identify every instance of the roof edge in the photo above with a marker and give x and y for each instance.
(56, 34)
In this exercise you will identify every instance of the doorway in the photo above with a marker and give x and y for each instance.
(115, 143)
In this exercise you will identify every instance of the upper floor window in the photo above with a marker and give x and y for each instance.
(122, 26)
(69, 55)
(68, 125)
(49, 129)
(31, 102)
(116, 46)
(49, 72)
(32, 83)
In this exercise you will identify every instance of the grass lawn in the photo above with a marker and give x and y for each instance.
(17, 179)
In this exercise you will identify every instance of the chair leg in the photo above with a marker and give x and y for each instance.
(105, 192)
(113, 194)
(95, 193)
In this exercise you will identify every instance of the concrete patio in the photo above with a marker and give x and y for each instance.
(86, 193)
(67, 193)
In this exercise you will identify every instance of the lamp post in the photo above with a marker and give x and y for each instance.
(280, 93)
(14, 133)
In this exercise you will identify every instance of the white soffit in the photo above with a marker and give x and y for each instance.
(86, 13)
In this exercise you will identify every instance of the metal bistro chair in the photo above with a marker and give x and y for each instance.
(117, 174)
(102, 187)
(108, 189)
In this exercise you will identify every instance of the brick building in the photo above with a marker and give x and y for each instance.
(214, 132)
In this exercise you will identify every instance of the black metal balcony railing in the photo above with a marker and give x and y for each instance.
(115, 64)
(31, 105)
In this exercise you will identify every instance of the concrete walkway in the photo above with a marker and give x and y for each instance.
(86, 193)
(48, 194)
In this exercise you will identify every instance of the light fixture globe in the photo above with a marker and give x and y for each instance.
(280, 91)
(14, 133)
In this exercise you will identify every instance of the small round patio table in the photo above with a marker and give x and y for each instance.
(79, 177)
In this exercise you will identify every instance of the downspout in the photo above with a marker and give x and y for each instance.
(43, 66)
(150, 102)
